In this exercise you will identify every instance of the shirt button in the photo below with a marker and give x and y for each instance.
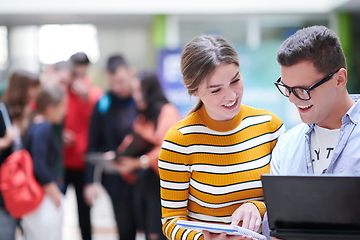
(309, 164)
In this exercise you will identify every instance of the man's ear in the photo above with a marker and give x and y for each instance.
(341, 79)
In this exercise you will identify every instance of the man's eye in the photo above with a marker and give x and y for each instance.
(217, 90)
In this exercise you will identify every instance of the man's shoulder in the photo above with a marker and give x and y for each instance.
(295, 132)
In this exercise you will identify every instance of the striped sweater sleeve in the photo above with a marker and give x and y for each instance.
(174, 183)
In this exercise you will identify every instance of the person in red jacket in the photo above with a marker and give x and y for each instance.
(82, 97)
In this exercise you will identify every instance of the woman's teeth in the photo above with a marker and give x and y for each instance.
(230, 104)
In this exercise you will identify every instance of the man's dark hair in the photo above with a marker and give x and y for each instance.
(317, 44)
(79, 58)
(114, 62)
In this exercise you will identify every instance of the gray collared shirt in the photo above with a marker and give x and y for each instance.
(291, 155)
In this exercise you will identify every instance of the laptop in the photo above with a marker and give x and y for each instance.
(313, 207)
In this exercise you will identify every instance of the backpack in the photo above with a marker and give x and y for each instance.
(21, 192)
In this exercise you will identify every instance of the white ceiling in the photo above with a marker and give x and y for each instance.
(168, 6)
(15, 12)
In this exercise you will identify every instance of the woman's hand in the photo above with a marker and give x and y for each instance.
(126, 165)
(8, 138)
(249, 214)
(223, 236)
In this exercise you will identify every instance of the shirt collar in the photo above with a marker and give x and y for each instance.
(352, 115)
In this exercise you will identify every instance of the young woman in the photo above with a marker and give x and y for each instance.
(45, 147)
(140, 150)
(211, 162)
(20, 92)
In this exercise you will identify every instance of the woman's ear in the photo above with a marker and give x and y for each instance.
(195, 94)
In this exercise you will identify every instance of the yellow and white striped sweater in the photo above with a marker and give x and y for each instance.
(209, 168)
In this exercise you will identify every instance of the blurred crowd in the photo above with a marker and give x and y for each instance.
(74, 129)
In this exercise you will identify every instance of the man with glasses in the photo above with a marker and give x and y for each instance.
(313, 78)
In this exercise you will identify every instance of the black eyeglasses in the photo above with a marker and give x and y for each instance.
(300, 92)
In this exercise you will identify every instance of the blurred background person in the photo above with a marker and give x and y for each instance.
(140, 150)
(82, 97)
(45, 148)
(111, 121)
(59, 74)
(81, 63)
(21, 90)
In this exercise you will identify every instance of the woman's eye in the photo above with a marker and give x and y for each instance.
(215, 91)
(235, 81)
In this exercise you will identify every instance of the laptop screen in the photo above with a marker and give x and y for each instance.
(312, 202)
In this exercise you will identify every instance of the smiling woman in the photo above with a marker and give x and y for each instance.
(222, 93)
(211, 162)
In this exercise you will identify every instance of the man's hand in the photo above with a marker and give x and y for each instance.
(90, 194)
(249, 214)
(79, 88)
(69, 137)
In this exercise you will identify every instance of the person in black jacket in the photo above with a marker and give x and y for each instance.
(111, 121)
(44, 146)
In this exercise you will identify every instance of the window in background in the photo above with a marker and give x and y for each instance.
(232, 28)
(278, 28)
(59, 42)
(3, 48)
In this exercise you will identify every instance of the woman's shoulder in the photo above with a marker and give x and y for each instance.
(169, 107)
(191, 120)
(171, 110)
(252, 111)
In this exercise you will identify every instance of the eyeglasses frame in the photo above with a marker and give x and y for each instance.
(312, 87)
